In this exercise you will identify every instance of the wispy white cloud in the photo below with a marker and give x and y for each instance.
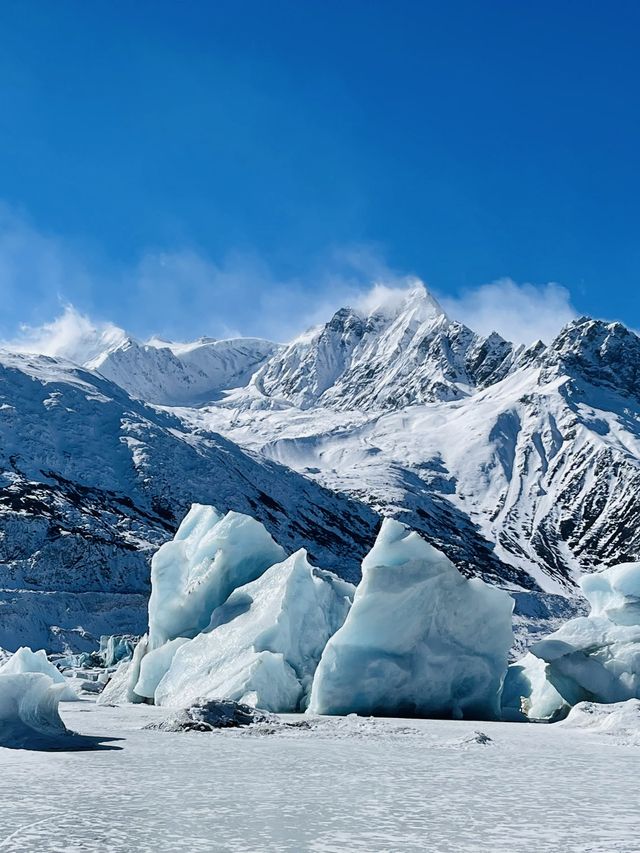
(70, 335)
(36, 268)
(522, 313)
(182, 293)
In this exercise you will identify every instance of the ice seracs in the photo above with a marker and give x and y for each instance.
(528, 693)
(263, 645)
(29, 715)
(419, 640)
(230, 619)
(591, 658)
(210, 555)
(24, 660)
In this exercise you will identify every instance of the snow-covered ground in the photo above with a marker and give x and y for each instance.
(346, 784)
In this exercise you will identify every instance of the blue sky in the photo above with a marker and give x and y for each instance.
(195, 168)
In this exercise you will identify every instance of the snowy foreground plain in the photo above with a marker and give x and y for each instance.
(347, 784)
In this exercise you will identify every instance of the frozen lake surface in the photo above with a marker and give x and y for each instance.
(348, 784)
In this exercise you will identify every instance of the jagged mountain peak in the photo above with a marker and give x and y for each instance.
(604, 353)
(398, 348)
(414, 302)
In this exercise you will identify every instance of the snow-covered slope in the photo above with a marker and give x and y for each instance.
(543, 465)
(92, 481)
(181, 374)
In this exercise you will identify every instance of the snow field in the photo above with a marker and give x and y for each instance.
(382, 786)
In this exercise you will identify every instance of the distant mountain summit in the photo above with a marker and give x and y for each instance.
(390, 357)
(181, 374)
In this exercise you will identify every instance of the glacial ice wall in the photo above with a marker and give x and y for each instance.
(265, 641)
(210, 555)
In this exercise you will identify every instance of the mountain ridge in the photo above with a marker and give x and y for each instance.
(521, 463)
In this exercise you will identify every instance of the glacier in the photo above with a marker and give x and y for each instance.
(590, 658)
(263, 644)
(419, 640)
(119, 689)
(24, 660)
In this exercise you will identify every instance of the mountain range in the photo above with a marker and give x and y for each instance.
(521, 463)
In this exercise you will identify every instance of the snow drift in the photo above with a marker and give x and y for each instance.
(592, 658)
(619, 721)
(419, 640)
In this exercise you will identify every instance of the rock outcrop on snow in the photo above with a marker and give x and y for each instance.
(420, 640)
(592, 658)
(213, 714)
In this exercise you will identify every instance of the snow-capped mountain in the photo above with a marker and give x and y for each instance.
(521, 464)
(92, 481)
(544, 462)
(175, 374)
(392, 356)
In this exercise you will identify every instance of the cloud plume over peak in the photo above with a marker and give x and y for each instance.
(70, 335)
(522, 313)
(182, 293)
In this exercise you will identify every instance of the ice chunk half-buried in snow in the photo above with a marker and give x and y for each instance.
(25, 660)
(208, 558)
(264, 643)
(419, 640)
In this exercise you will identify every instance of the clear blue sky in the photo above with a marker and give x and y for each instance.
(459, 141)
